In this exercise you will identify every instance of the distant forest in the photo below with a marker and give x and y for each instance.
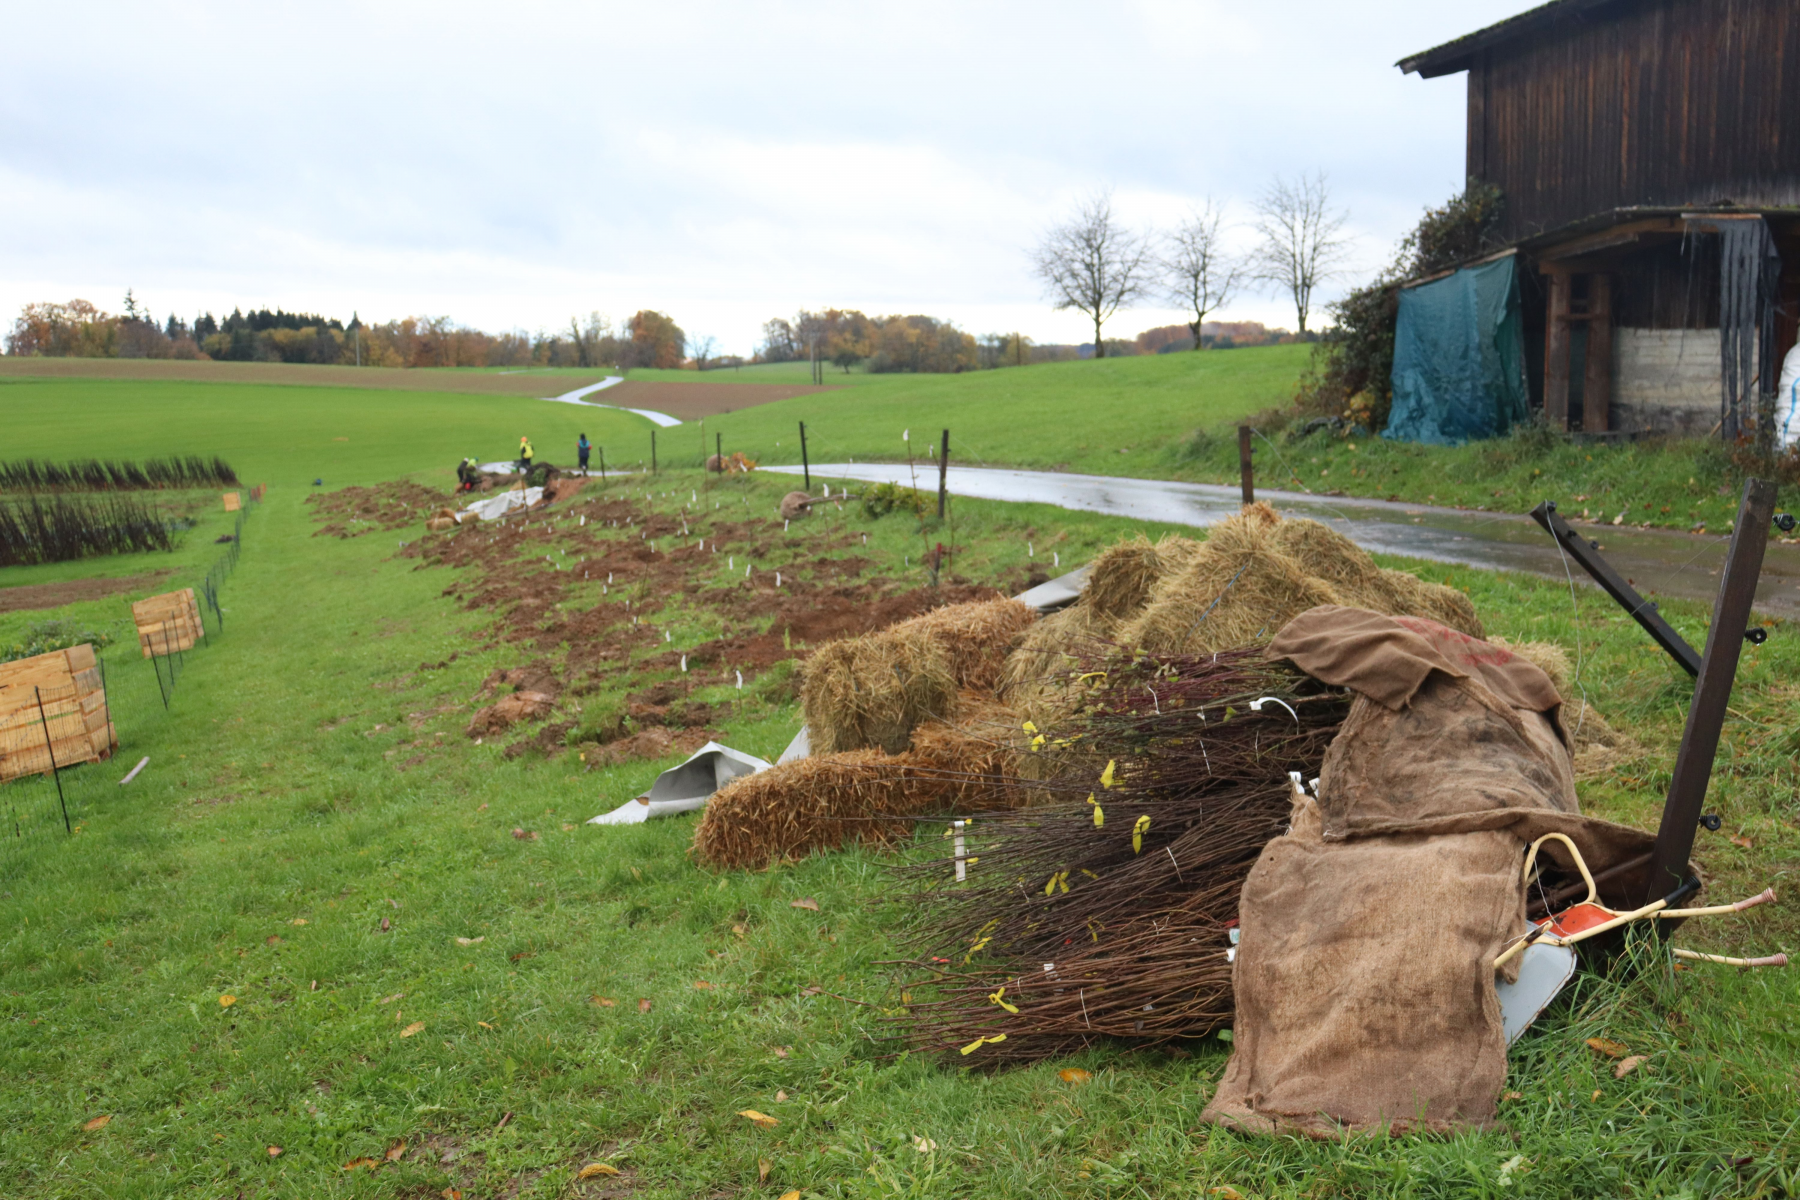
(844, 338)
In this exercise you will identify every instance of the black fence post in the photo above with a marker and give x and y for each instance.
(719, 451)
(50, 748)
(653, 450)
(1712, 691)
(602, 450)
(1246, 472)
(943, 474)
(805, 464)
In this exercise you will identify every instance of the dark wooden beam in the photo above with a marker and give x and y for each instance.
(1556, 352)
(1718, 670)
(1587, 557)
(1596, 391)
(1626, 234)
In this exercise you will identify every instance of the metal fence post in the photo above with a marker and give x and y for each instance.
(1718, 670)
(50, 748)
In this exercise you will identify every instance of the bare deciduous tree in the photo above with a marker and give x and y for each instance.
(1094, 265)
(1200, 273)
(1302, 239)
(702, 350)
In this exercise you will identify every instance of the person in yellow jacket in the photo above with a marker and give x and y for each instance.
(526, 454)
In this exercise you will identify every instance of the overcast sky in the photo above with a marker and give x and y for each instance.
(511, 165)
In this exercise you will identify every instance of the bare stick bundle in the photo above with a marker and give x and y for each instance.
(1107, 912)
(871, 691)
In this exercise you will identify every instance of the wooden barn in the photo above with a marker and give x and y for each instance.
(1649, 156)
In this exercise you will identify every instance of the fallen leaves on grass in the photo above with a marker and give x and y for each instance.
(756, 1118)
(643, 1005)
(463, 941)
(923, 1145)
(793, 1195)
(484, 1024)
(274, 1151)
(738, 930)
(395, 1151)
(1608, 1047)
(272, 940)
(1513, 1096)
(525, 835)
(1596, 1095)
(298, 921)
(384, 924)
(593, 1170)
(783, 1051)
(702, 985)
(780, 1096)
(806, 902)
(451, 1193)
(1225, 1192)
(394, 997)
(567, 828)
(412, 1029)
(357, 1164)
(1074, 1075)
(1628, 1065)
(763, 1167)
(227, 1001)
(99, 1122)
(602, 1001)
(1745, 842)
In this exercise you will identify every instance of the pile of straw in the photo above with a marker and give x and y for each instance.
(872, 691)
(1252, 574)
(828, 801)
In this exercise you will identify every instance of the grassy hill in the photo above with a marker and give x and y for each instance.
(318, 840)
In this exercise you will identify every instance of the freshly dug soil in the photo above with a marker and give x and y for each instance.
(580, 589)
(55, 595)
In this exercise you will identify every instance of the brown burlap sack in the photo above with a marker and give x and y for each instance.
(1364, 976)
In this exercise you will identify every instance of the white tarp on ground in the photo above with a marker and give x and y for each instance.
(687, 787)
(501, 503)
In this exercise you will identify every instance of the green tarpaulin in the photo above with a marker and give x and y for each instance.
(1459, 366)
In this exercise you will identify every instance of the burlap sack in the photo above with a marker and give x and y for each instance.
(1364, 977)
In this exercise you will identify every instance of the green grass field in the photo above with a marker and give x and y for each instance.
(310, 780)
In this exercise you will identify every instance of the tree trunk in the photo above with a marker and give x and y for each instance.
(1195, 326)
(1099, 346)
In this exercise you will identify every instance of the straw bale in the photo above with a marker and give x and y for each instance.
(969, 765)
(1410, 596)
(871, 691)
(823, 802)
(828, 801)
(1120, 581)
(1239, 589)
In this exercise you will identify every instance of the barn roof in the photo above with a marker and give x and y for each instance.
(1456, 55)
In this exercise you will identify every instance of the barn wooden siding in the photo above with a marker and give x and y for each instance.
(1643, 102)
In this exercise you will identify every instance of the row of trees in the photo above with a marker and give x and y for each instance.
(79, 329)
(845, 337)
(1096, 265)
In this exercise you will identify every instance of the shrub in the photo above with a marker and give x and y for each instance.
(884, 498)
(1352, 367)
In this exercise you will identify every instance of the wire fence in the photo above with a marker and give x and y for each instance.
(54, 721)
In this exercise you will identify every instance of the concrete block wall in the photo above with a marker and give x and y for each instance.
(1666, 380)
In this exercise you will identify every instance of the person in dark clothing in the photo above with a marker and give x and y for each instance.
(467, 476)
(582, 446)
